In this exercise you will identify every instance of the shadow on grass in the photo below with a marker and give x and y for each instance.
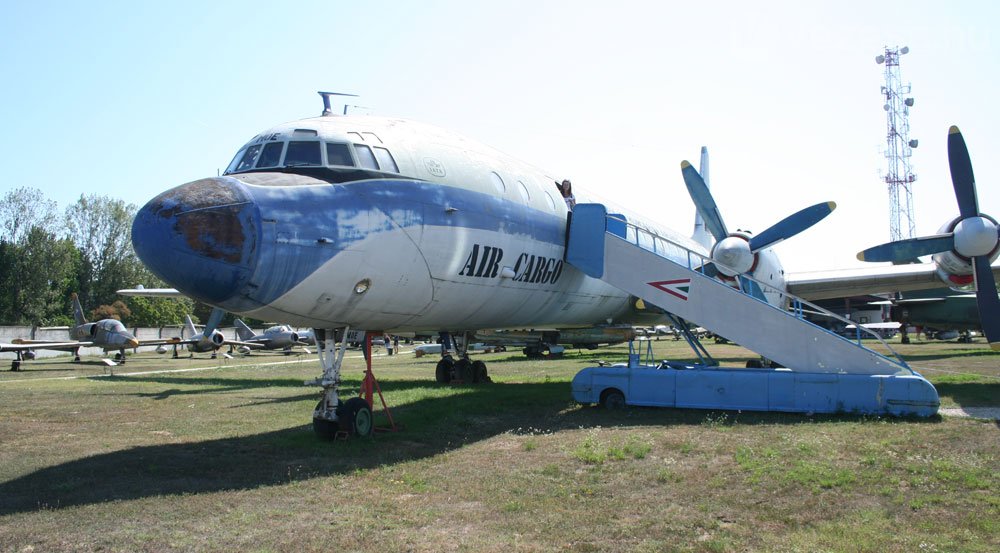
(213, 385)
(953, 355)
(971, 394)
(433, 425)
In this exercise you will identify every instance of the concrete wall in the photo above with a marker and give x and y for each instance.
(9, 333)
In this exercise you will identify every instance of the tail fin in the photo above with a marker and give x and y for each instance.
(190, 327)
(78, 311)
(242, 330)
(701, 234)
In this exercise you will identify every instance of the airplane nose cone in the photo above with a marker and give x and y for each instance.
(200, 237)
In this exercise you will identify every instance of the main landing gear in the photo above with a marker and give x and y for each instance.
(462, 371)
(334, 418)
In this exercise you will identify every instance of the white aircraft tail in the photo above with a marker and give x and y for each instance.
(701, 234)
(243, 331)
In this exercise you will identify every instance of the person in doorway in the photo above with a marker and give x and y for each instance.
(566, 189)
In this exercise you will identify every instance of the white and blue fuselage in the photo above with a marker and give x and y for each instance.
(380, 224)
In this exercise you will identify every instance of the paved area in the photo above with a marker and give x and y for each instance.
(975, 412)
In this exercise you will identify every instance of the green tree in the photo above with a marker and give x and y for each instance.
(101, 228)
(45, 268)
(156, 312)
(23, 209)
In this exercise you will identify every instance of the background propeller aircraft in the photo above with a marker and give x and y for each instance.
(964, 247)
(389, 225)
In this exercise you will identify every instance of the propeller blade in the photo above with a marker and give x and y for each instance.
(987, 300)
(903, 251)
(213, 320)
(961, 174)
(703, 201)
(791, 225)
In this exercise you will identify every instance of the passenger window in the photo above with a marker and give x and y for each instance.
(302, 153)
(365, 156)
(498, 183)
(271, 154)
(385, 160)
(550, 201)
(249, 158)
(524, 191)
(338, 154)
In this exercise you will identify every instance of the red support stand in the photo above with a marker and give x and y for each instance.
(370, 385)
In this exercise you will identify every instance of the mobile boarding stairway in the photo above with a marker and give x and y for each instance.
(820, 371)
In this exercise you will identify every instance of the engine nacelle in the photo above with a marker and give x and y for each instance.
(733, 257)
(971, 236)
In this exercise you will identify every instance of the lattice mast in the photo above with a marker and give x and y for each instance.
(899, 147)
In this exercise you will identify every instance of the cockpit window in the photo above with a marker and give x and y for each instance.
(271, 154)
(338, 154)
(249, 158)
(365, 157)
(235, 162)
(385, 160)
(302, 153)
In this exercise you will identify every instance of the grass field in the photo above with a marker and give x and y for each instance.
(225, 460)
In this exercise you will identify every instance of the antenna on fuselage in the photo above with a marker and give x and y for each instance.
(327, 110)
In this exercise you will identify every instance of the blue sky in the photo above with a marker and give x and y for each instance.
(128, 99)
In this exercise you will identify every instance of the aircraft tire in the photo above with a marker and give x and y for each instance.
(464, 371)
(443, 370)
(356, 417)
(754, 364)
(325, 429)
(613, 400)
(479, 373)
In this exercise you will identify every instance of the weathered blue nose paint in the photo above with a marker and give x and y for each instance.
(202, 237)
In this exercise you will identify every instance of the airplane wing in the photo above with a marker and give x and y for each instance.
(151, 292)
(21, 344)
(256, 345)
(819, 285)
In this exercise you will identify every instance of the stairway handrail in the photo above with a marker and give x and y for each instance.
(795, 304)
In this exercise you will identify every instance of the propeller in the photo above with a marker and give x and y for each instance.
(974, 237)
(735, 254)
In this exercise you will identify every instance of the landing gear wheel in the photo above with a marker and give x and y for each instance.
(464, 371)
(754, 364)
(443, 371)
(613, 400)
(323, 428)
(479, 373)
(356, 417)
(532, 353)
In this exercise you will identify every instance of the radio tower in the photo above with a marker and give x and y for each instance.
(899, 175)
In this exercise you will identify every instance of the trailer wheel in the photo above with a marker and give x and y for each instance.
(613, 400)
